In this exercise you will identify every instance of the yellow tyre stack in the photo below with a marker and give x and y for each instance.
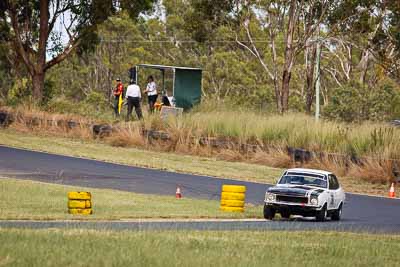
(233, 198)
(80, 203)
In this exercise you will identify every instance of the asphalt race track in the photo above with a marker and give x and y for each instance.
(360, 213)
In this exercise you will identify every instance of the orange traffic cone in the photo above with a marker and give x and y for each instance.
(391, 191)
(178, 192)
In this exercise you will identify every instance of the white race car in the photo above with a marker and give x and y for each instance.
(305, 192)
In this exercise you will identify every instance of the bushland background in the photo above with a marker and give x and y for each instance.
(260, 71)
(258, 55)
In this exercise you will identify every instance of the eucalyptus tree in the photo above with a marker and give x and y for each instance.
(292, 24)
(45, 32)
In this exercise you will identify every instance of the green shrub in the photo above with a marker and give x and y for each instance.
(94, 105)
(96, 101)
(62, 105)
(19, 92)
(355, 102)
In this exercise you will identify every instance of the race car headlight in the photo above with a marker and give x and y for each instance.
(314, 201)
(270, 197)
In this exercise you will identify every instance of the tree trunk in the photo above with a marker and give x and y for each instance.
(289, 56)
(38, 74)
(310, 92)
(349, 63)
(278, 97)
(38, 86)
(285, 90)
(364, 66)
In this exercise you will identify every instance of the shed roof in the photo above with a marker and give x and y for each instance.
(164, 67)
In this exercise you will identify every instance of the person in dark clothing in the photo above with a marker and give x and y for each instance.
(151, 91)
(118, 93)
(133, 97)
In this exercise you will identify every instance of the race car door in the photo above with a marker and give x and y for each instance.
(333, 192)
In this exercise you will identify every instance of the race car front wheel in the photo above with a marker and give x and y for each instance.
(337, 214)
(269, 212)
(321, 214)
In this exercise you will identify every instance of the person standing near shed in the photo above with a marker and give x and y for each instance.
(118, 94)
(133, 97)
(151, 90)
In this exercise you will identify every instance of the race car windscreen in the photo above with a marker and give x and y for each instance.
(304, 179)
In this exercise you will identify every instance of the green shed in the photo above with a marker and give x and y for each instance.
(186, 83)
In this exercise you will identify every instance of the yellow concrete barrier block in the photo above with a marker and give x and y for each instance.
(76, 204)
(232, 203)
(79, 204)
(80, 211)
(232, 209)
(79, 195)
(232, 196)
(234, 188)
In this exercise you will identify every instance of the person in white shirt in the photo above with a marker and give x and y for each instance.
(151, 90)
(133, 97)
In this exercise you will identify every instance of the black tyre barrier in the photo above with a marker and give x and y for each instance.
(5, 119)
(67, 124)
(102, 130)
(299, 155)
(158, 135)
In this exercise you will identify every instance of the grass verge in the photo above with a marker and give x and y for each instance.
(165, 161)
(21, 199)
(192, 248)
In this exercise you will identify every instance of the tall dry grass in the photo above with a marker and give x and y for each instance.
(297, 130)
(64, 125)
(376, 146)
(127, 135)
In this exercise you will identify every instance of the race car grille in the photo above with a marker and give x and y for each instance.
(292, 199)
